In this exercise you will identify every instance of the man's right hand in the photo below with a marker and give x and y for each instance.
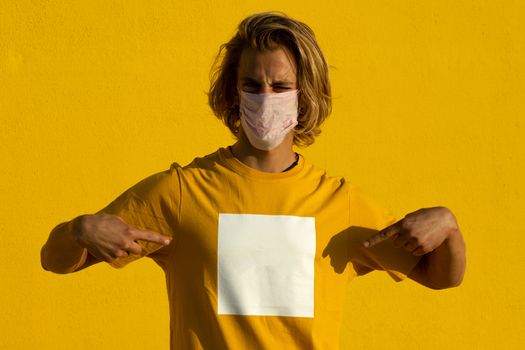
(108, 237)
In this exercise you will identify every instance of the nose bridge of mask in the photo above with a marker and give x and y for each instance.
(268, 100)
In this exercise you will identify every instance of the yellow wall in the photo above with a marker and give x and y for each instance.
(428, 109)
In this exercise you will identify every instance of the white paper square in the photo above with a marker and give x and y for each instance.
(266, 265)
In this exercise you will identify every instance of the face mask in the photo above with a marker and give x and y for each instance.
(267, 118)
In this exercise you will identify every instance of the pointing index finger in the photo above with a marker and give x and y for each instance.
(151, 236)
(383, 235)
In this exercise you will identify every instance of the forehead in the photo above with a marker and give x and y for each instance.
(275, 64)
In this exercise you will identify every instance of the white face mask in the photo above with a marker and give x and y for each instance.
(267, 118)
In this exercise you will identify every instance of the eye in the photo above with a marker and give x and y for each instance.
(251, 87)
(281, 88)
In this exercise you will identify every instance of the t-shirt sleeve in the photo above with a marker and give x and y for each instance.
(150, 205)
(366, 219)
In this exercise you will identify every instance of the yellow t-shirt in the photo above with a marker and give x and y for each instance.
(257, 260)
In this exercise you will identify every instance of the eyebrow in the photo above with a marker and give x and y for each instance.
(277, 82)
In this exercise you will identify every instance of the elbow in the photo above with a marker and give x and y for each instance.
(43, 259)
(444, 286)
(457, 282)
(452, 283)
(47, 265)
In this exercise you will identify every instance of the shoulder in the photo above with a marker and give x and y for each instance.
(365, 211)
(314, 171)
(160, 182)
(320, 175)
(205, 162)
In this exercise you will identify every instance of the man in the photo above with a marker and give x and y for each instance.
(257, 244)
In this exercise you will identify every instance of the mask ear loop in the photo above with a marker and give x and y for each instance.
(299, 114)
(300, 109)
(235, 108)
(236, 102)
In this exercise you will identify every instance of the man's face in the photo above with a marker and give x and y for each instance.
(266, 71)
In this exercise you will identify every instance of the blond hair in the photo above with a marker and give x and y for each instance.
(269, 31)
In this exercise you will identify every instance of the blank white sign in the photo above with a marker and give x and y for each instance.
(266, 265)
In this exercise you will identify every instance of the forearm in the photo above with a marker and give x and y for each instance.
(443, 267)
(62, 253)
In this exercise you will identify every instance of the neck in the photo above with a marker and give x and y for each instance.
(273, 161)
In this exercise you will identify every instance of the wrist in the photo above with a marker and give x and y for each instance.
(77, 228)
(453, 232)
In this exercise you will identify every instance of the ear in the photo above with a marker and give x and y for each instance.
(300, 111)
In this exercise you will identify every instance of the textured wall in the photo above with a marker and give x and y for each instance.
(428, 109)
